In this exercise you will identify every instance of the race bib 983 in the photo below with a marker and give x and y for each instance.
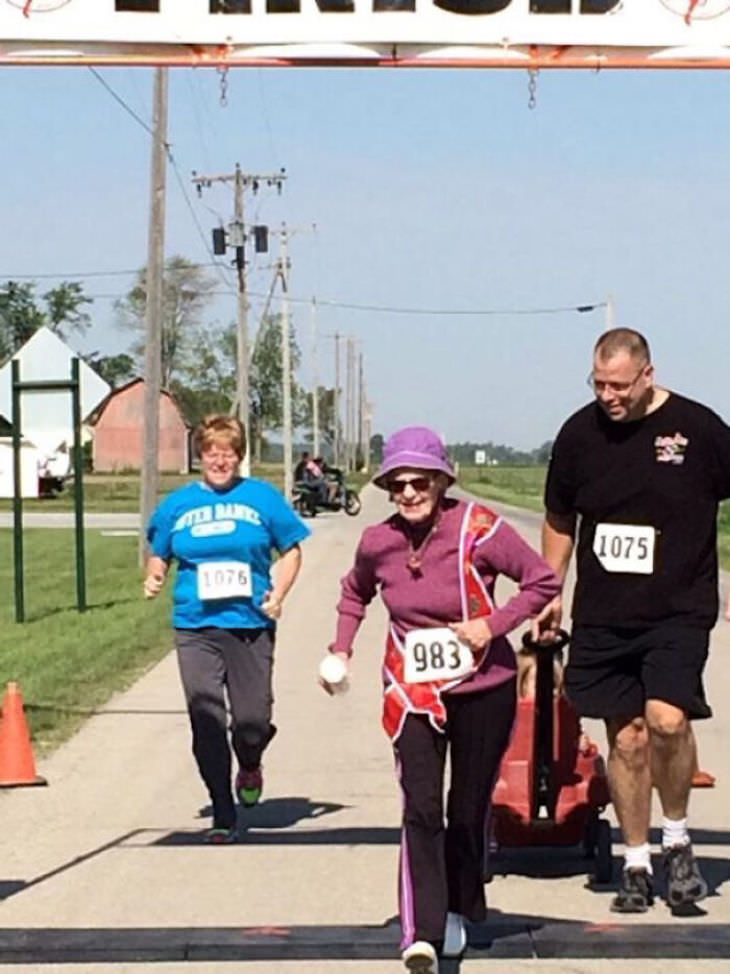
(435, 654)
(224, 580)
(625, 548)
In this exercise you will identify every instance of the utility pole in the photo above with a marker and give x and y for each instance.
(368, 431)
(350, 403)
(315, 382)
(237, 239)
(610, 313)
(359, 451)
(336, 404)
(286, 362)
(154, 309)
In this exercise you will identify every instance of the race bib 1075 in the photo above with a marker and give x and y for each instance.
(435, 654)
(625, 547)
(224, 580)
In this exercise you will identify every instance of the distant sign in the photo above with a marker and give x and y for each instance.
(480, 457)
(499, 33)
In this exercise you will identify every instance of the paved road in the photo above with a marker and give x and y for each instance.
(104, 869)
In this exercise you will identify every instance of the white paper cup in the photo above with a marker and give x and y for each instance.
(333, 670)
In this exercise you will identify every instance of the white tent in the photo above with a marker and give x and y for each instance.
(46, 417)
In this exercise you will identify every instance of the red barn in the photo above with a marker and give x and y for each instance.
(118, 424)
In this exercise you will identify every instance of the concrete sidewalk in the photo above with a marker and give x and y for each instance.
(106, 865)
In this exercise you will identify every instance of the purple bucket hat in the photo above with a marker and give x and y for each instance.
(414, 446)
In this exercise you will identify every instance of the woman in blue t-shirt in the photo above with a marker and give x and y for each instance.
(221, 532)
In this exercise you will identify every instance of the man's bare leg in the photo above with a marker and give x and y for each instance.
(629, 778)
(673, 756)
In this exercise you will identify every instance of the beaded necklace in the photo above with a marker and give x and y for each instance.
(415, 556)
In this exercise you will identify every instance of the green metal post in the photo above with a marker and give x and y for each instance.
(78, 488)
(17, 495)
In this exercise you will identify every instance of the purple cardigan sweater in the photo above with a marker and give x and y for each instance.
(432, 597)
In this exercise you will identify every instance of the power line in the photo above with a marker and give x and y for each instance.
(451, 312)
(431, 312)
(194, 216)
(173, 164)
(583, 308)
(68, 274)
(120, 101)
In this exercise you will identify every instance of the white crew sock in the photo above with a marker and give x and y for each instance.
(674, 832)
(638, 857)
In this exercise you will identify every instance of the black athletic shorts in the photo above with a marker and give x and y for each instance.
(612, 672)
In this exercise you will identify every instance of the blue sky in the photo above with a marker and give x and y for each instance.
(431, 189)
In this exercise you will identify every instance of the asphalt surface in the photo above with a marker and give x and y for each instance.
(105, 871)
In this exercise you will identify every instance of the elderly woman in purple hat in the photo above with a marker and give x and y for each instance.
(448, 674)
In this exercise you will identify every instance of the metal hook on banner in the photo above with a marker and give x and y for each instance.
(222, 70)
(532, 75)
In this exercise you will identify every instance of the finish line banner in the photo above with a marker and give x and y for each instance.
(489, 33)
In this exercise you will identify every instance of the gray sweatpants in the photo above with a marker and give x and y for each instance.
(239, 663)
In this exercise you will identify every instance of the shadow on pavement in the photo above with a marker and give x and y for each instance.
(10, 886)
(265, 824)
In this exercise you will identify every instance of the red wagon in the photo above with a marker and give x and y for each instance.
(552, 785)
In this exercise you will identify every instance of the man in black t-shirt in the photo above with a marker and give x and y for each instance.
(640, 472)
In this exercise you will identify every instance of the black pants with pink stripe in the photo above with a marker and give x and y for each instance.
(442, 864)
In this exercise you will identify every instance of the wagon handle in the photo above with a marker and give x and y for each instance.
(562, 638)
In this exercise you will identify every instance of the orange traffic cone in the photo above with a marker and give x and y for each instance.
(17, 764)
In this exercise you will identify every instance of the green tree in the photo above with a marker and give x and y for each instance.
(187, 292)
(376, 447)
(64, 309)
(115, 369)
(326, 403)
(266, 380)
(542, 453)
(21, 315)
(207, 382)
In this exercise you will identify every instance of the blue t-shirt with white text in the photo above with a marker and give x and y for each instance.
(197, 524)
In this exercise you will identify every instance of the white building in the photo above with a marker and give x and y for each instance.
(46, 417)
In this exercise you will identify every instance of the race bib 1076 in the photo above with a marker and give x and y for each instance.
(224, 580)
(625, 548)
(435, 654)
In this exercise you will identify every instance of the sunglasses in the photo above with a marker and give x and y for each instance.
(419, 484)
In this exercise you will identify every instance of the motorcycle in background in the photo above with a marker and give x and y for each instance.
(307, 499)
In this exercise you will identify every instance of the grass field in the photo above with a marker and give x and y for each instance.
(68, 663)
(120, 492)
(523, 487)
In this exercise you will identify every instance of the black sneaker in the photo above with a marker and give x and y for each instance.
(635, 894)
(684, 882)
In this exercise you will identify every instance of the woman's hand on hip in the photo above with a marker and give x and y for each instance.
(474, 633)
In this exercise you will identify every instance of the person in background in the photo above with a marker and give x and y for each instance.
(221, 532)
(449, 677)
(299, 470)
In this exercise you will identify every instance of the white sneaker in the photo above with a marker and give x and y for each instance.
(454, 935)
(420, 958)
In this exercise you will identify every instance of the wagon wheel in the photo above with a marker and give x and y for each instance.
(590, 836)
(603, 865)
